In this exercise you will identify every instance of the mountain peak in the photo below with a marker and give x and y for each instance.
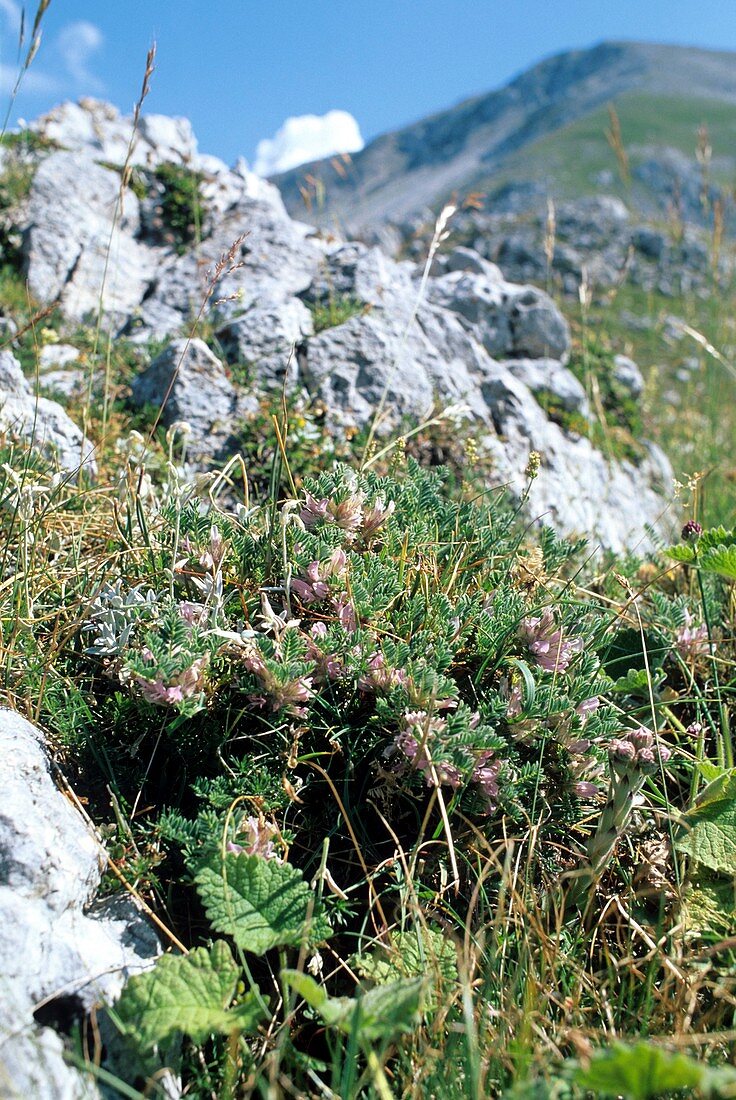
(467, 146)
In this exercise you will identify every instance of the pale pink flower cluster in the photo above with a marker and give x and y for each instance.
(546, 642)
(291, 693)
(193, 614)
(420, 730)
(637, 750)
(691, 641)
(327, 666)
(184, 686)
(515, 703)
(257, 840)
(379, 677)
(314, 587)
(587, 707)
(346, 514)
(213, 554)
(485, 774)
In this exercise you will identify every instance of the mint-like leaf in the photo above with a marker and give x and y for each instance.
(260, 902)
(189, 994)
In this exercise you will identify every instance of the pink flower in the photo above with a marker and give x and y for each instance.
(317, 574)
(546, 642)
(313, 511)
(379, 677)
(184, 686)
(375, 517)
(412, 741)
(347, 515)
(213, 554)
(588, 706)
(192, 613)
(291, 693)
(637, 750)
(514, 706)
(485, 774)
(346, 614)
(258, 839)
(586, 790)
(692, 642)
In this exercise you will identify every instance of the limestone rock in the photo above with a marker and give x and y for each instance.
(101, 132)
(548, 376)
(40, 421)
(266, 337)
(60, 954)
(538, 329)
(192, 386)
(78, 250)
(627, 374)
(262, 256)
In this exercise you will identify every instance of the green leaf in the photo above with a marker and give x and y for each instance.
(681, 552)
(638, 682)
(422, 952)
(721, 560)
(310, 991)
(189, 994)
(639, 1072)
(716, 536)
(708, 832)
(380, 1014)
(711, 836)
(530, 687)
(709, 907)
(261, 903)
(713, 552)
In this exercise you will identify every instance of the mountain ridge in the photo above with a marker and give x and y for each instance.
(463, 146)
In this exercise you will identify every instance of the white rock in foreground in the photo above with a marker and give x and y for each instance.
(39, 421)
(60, 954)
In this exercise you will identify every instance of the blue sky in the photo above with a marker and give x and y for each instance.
(239, 68)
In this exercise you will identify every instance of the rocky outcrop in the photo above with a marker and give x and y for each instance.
(594, 242)
(342, 320)
(40, 421)
(81, 239)
(62, 951)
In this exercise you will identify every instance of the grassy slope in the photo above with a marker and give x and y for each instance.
(570, 159)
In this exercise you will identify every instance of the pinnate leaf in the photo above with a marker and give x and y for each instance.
(260, 902)
(189, 994)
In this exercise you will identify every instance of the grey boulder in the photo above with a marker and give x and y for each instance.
(189, 384)
(266, 337)
(519, 322)
(628, 375)
(61, 953)
(549, 377)
(39, 421)
(80, 244)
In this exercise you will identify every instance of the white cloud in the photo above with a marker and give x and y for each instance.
(12, 13)
(77, 43)
(62, 66)
(32, 83)
(307, 137)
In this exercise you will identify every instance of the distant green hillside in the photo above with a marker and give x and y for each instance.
(571, 161)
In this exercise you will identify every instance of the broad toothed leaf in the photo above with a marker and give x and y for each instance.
(189, 994)
(261, 903)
